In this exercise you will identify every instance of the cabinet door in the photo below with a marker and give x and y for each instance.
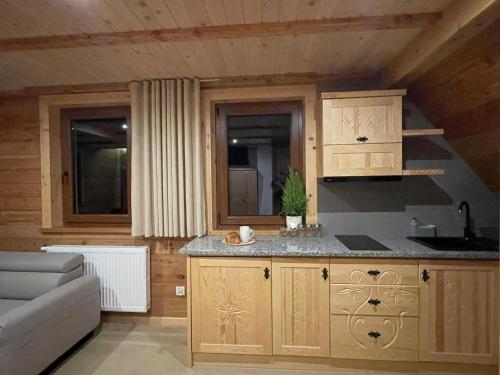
(231, 306)
(459, 312)
(300, 307)
(362, 160)
(374, 119)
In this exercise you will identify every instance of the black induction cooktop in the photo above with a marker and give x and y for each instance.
(361, 242)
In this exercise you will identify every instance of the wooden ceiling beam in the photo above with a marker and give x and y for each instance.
(208, 83)
(460, 21)
(364, 23)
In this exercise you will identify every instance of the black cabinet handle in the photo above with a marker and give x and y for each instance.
(374, 334)
(373, 272)
(362, 139)
(325, 273)
(425, 275)
(267, 273)
(374, 301)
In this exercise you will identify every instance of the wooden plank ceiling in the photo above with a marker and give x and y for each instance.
(359, 44)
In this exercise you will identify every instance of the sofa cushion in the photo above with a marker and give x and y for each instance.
(29, 285)
(9, 304)
(39, 261)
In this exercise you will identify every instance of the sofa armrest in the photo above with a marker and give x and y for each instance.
(31, 317)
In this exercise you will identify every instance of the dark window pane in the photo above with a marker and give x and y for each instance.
(258, 162)
(99, 157)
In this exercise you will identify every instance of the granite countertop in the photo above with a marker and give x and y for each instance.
(325, 247)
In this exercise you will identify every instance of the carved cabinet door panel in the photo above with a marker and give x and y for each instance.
(362, 120)
(301, 307)
(390, 338)
(388, 300)
(369, 271)
(459, 312)
(231, 305)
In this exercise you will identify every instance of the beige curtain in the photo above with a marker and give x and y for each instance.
(167, 180)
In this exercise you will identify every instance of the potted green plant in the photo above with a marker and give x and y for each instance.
(293, 200)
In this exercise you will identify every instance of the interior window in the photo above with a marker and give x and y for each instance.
(257, 143)
(96, 164)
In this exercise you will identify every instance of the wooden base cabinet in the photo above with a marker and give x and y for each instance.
(300, 307)
(231, 305)
(436, 312)
(459, 312)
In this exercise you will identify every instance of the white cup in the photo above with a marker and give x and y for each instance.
(246, 233)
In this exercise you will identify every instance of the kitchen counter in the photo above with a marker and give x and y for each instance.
(267, 246)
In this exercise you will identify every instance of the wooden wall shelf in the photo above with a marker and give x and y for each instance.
(423, 172)
(422, 132)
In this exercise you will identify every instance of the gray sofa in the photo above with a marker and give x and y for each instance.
(46, 306)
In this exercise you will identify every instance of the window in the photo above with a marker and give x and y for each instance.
(95, 164)
(256, 144)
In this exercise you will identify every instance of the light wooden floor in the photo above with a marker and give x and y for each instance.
(131, 349)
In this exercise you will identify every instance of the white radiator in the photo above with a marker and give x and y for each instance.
(124, 272)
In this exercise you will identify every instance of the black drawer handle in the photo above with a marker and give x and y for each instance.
(425, 275)
(324, 273)
(362, 139)
(374, 301)
(374, 334)
(373, 273)
(266, 273)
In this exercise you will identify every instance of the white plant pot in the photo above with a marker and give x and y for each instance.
(292, 222)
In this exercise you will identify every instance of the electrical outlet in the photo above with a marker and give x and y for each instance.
(180, 290)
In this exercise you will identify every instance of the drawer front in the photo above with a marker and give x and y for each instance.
(362, 160)
(374, 273)
(389, 300)
(374, 337)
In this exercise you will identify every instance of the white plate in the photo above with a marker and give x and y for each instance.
(253, 240)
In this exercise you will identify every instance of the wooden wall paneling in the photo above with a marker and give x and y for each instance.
(21, 207)
(462, 96)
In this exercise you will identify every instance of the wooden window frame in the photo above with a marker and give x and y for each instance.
(88, 113)
(222, 110)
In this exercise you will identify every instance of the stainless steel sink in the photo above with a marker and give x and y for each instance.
(457, 243)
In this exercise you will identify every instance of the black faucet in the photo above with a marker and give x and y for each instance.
(468, 233)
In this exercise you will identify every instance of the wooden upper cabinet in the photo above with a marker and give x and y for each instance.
(362, 133)
(301, 307)
(231, 306)
(459, 312)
